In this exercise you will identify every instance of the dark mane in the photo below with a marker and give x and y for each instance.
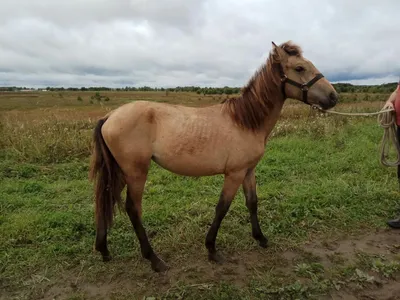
(260, 94)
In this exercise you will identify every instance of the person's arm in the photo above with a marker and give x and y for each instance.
(392, 97)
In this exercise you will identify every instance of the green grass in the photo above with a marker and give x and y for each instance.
(320, 180)
(319, 177)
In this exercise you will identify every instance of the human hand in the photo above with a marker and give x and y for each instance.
(388, 105)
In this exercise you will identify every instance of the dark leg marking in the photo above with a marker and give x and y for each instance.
(101, 242)
(147, 252)
(220, 212)
(249, 188)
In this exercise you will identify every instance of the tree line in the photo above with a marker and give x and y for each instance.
(349, 88)
(340, 87)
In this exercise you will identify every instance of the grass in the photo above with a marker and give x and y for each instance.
(320, 178)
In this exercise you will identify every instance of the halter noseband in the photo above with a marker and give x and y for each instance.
(304, 87)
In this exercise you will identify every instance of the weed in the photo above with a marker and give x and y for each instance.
(387, 269)
(312, 270)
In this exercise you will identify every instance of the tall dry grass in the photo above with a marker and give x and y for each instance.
(47, 140)
(53, 135)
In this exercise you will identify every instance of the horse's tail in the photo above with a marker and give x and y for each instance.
(108, 177)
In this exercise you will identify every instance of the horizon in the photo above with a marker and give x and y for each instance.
(27, 87)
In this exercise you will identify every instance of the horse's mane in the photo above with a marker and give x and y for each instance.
(259, 95)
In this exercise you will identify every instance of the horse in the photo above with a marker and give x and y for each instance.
(227, 138)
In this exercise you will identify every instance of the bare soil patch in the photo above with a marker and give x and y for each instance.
(134, 278)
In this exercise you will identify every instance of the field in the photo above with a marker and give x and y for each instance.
(324, 199)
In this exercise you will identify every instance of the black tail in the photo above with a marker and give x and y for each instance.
(108, 177)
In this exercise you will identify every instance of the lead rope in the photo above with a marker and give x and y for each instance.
(387, 120)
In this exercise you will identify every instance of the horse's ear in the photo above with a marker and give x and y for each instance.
(278, 51)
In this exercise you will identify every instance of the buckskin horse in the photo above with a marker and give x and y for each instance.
(228, 138)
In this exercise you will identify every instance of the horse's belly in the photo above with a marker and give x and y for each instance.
(191, 165)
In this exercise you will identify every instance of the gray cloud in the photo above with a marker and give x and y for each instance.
(191, 42)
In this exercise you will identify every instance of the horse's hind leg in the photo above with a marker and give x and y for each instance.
(231, 185)
(133, 207)
(101, 241)
(249, 189)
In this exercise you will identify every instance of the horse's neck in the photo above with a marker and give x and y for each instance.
(276, 99)
(272, 117)
(273, 100)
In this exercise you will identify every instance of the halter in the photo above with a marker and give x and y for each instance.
(304, 87)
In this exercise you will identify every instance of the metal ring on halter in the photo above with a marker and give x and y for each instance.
(304, 87)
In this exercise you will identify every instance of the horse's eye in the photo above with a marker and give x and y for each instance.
(299, 69)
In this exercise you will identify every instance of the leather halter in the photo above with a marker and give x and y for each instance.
(303, 86)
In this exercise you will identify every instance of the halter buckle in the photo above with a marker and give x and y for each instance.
(284, 78)
(304, 88)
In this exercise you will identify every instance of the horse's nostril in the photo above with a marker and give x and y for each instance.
(333, 97)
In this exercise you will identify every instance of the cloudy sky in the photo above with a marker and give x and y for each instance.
(192, 42)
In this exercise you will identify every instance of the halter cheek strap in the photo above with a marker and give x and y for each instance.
(303, 86)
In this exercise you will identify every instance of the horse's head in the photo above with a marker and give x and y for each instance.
(300, 79)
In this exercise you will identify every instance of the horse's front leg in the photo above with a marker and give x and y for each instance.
(232, 183)
(249, 189)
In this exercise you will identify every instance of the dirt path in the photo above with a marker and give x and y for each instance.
(134, 280)
(381, 244)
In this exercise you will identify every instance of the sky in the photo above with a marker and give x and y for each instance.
(118, 43)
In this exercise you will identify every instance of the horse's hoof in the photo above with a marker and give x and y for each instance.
(107, 258)
(216, 257)
(263, 242)
(159, 266)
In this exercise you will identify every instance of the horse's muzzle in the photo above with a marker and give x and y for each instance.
(332, 100)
